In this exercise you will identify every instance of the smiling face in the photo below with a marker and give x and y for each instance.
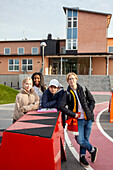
(53, 89)
(37, 80)
(72, 81)
(28, 85)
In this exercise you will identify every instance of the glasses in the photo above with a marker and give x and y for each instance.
(72, 79)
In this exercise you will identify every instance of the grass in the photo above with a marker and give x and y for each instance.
(7, 94)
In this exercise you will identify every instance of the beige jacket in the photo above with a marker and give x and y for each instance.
(25, 102)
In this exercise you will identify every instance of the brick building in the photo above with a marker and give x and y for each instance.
(85, 51)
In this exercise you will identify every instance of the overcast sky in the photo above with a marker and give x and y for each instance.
(35, 19)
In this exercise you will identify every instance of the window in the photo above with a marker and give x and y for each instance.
(72, 44)
(7, 51)
(69, 14)
(13, 65)
(34, 50)
(110, 49)
(75, 44)
(75, 22)
(69, 33)
(69, 22)
(21, 50)
(63, 50)
(72, 19)
(69, 44)
(27, 65)
(74, 33)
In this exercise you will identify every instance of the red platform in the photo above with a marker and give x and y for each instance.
(34, 142)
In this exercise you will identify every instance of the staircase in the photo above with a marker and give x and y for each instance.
(93, 82)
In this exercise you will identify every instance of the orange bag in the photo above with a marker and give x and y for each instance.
(72, 125)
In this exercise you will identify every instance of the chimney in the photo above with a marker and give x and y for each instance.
(49, 37)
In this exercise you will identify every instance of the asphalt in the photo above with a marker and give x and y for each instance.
(6, 112)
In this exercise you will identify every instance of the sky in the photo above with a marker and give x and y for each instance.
(35, 19)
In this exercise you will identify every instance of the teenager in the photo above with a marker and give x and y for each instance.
(52, 95)
(38, 84)
(26, 100)
(79, 101)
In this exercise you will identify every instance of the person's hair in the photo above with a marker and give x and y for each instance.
(41, 83)
(69, 74)
(25, 79)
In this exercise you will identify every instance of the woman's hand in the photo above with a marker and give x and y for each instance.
(77, 115)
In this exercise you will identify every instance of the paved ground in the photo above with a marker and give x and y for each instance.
(96, 137)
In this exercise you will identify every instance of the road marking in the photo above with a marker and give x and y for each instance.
(100, 127)
(4, 108)
(73, 150)
(5, 119)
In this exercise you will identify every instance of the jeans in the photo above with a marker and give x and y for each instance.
(84, 129)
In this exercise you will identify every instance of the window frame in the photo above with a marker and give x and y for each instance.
(72, 30)
(14, 64)
(5, 51)
(23, 50)
(27, 65)
(32, 50)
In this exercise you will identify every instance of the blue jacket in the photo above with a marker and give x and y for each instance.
(51, 101)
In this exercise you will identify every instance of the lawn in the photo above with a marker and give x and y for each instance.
(7, 94)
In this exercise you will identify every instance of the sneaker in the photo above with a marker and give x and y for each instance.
(84, 162)
(94, 155)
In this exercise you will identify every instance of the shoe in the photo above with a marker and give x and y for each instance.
(83, 162)
(94, 155)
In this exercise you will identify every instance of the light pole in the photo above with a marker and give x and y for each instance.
(43, 44)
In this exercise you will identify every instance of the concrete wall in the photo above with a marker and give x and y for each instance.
(10, 80)
(93, 83)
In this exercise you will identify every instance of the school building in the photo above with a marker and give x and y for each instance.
(86, 50)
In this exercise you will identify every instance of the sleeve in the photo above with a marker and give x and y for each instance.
(18, 104)
(46, 103)
(90, 100)
(32, 106)
(62, 105)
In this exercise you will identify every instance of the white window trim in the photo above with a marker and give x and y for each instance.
(13, 65)
(71, 28)
(27, 65)
(23, 50)
(8, 48)
(32, 51)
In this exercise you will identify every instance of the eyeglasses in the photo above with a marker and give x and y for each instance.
(71, 79)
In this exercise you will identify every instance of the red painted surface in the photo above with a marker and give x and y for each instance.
(104, 145)
(111, 109)
(21, 151)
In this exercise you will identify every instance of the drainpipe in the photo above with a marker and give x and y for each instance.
(107, 65)
(61, 66)
(90, 68)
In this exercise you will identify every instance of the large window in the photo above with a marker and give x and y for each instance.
(20, 50)
(7, 51)
(13, 65)
(71, 41)
(34, 50)
(78, 65)
(27, 64)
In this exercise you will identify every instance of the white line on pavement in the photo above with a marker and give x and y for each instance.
(100, 127)
(73, 150)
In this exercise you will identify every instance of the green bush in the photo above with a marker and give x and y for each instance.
(7, 94)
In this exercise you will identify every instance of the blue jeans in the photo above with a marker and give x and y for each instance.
(84, 129)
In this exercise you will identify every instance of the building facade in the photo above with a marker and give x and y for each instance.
(86, 50)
